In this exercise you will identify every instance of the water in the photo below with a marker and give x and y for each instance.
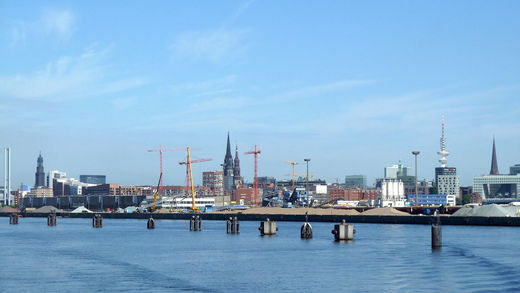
(125, 256)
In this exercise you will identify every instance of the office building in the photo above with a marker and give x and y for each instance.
(356, 181)
(496, 188)
(395, 171)
(514, 170)
(93, 179)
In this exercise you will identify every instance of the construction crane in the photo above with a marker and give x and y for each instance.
(153, 207)
(161, 150)
(189, 176)
(293, 164)
(255, 152)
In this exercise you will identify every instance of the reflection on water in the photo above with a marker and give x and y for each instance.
(125, 256)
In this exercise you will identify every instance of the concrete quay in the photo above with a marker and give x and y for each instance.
(373, 219)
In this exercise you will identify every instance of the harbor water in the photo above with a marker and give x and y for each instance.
(125, 256)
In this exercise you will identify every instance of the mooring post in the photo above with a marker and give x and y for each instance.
(51, 220)
(13, 219)
(195, 223)
(232, 226)
(268, 227)
(343, 231)
(306, 229)
(436, 233)
(151, 223)
(97, 221)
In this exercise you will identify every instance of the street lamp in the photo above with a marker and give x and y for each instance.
(415, 153)
(307, 179)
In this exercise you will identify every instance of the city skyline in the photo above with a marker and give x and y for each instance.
(354, 86)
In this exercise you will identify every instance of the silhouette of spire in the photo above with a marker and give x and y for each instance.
(228, 149)
(494, 164)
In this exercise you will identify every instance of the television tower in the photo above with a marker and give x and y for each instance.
(443, 153)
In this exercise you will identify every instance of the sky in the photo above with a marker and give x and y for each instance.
(353, 85)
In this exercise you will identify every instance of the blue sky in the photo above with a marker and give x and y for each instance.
(355, 86)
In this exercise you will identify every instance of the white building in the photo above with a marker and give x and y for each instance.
(497, 188)
(449, 185)
(392, 193)
(397, 171)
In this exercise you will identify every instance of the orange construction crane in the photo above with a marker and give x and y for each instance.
(161, 150)
(255, 152)
(189, 175)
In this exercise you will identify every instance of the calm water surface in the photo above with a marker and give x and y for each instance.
(125, 256)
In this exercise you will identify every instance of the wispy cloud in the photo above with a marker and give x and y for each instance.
(51, 24)
(218, 46)
(68, 77)
(59, 23)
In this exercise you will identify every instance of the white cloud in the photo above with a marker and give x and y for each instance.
(52, 24)
(217, 46)
(59, 23)
(68, 77)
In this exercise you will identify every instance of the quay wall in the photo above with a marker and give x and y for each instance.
(405, 219)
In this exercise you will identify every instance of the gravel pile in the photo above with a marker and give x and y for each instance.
(384, 212)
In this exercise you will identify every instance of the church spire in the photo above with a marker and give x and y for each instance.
(494, 164)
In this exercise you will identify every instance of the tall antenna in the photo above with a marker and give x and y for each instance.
(443, 153)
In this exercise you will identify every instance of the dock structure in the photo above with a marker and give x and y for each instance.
(150, 224)
(97, 221)
(232, 225)
(51, 220)
(343, 231)
(195, 223)
(13, 219)
(268, 228)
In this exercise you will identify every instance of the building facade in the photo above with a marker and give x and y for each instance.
(214, 181)
(356, 181)
(514, 170)
(395, 171)
(448, 184)
(93, 179)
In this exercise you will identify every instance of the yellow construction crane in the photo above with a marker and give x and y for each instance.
(189, 176)
(293, 164)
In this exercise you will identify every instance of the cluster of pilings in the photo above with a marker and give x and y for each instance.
(13, 219)
(51, 220)
(195, 223)
(97, 221)
(232, 226)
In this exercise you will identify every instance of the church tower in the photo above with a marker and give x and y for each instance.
(237, 179)
(40, 174)
(228, 167)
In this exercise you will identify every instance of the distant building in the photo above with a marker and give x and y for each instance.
(93, 179)
(40, 174)
(55, 174)
(214, 181)
(246, 196)
(266, 182)
(395, 171)
(392, 193)
(514, 170)
(448, 184)
(352, 194)
(495, 188)
(431, 200)
(40, 192)
(116, 189)
(356, 181)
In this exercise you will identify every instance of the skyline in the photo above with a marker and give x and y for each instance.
(354, 86)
